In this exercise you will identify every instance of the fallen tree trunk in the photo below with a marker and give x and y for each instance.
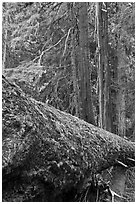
(49, 155)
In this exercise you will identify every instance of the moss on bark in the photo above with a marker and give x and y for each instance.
(49, 155)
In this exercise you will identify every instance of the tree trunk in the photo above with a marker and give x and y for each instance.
(121, 104)
(100, 61)
(107, 120)
(103, 66)
(85, 98)
(73, 61)
(121, 80)
(5, 42)
(49, 155)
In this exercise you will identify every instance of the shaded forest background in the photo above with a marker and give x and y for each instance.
(85, 68)
(39, 53)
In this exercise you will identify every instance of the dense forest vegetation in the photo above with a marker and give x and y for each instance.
(76, 57)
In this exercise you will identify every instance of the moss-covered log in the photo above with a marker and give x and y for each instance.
(49, 155)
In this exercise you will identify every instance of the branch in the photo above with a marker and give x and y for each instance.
(47, 50)
(65, 47)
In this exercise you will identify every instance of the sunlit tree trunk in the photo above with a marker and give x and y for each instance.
(85, 98)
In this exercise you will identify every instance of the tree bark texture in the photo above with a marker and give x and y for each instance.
(103, 66)
(85, 98)
(121, 100)
(107, 102)
(5, 42)
(49, 155)
(73, 61)
(100, 68)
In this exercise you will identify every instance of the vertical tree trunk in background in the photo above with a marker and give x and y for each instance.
(121, 91)
(121, 77)
(85, 98)
(73, 60)
(74, 75)
(103, 66)
(100, 64)
(107, 102)
(5, 43)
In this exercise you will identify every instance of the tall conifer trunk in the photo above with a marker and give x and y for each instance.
(75, 108)
(100, 67)
(121, 80)
(103, 66)
(85, 98)
(107, 102)
(121, 103)
(5, 42)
